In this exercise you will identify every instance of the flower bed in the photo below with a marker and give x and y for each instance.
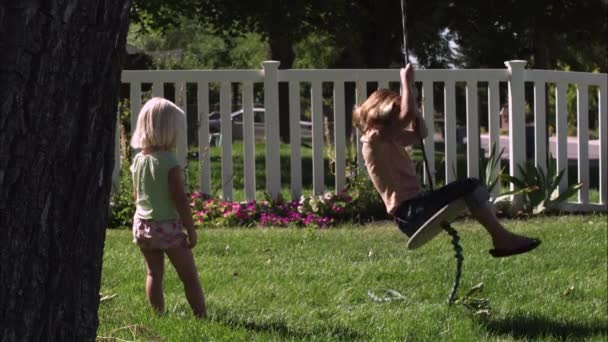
(320, 211)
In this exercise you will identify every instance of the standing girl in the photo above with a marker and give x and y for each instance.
(388, 123)
(162, 209)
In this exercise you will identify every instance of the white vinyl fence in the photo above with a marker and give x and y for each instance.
(515, 76)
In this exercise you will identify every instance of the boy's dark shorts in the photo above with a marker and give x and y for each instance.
(411, 214)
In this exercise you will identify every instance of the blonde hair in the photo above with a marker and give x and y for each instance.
(157, 125)
(380, 108)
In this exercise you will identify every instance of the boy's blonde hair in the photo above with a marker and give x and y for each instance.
(377, 111)
(157, 125)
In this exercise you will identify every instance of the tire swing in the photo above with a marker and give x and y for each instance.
(440, 221)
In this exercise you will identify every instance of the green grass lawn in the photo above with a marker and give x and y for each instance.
(304, 284)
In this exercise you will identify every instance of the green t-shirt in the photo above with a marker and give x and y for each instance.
(151, 180)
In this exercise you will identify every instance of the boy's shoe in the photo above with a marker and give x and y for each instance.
(500, 253)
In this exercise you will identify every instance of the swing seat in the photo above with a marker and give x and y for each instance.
(429, 229)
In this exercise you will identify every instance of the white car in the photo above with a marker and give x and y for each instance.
(215, 124)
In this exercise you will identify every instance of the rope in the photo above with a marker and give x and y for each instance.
(445, 225)
(406, 60)
(459, 258)
(404, 29)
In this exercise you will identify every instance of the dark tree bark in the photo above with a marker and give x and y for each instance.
(59, 80)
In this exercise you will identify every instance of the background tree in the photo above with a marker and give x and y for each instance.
(280, 22)
(61, 64)
(368, 33)
(550, 34)
(562, 34)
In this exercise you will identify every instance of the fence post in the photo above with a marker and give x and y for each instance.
(517, 122)
(271, 122)
(182, 136)
(603, 124)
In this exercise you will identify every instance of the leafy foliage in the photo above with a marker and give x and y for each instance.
(367, 33)
(122, 204)
(486, 169)
(540, 188)
(488, 33)
(122, 207)
(193, 45)
(358, 202)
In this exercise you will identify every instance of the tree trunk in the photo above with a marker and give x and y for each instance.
(350, 58)
(280, 48)
(541, 61)
(59, 74)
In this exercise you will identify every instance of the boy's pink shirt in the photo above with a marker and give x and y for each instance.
(390, 168)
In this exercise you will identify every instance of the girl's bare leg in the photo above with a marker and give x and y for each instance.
(501, 237)
(183, 261)
(154, 279)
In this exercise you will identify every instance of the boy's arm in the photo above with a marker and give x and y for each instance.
(178, 196)
(406, 137)
(408, 100)
(410, 135)
(419, 126)
(411, 125)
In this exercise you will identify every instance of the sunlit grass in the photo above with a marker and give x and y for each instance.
(305, 284)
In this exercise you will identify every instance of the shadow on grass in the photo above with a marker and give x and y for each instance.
(534, 326)
(281, 327)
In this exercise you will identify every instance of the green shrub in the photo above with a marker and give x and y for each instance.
(122, 204)
(487, 167)
(540, 188)
(367, 205)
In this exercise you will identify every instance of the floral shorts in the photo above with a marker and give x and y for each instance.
(150, 234)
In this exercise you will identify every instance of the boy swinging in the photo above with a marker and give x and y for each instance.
(388, 123)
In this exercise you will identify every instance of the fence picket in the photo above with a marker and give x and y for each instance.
(204, 158)
(135, 103)
(248, 141)
(339, 136)
(318, 176)
(158, 89)
(583, 142)
(603, 123)
(540, 126)
(493, 127)
(449, 131)
(361, 97)
(517, 123)
(472, 130)
(181, 150)
(271, 124)
(226, 132)
(295, 135)
(561, 112)
(428, 111)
